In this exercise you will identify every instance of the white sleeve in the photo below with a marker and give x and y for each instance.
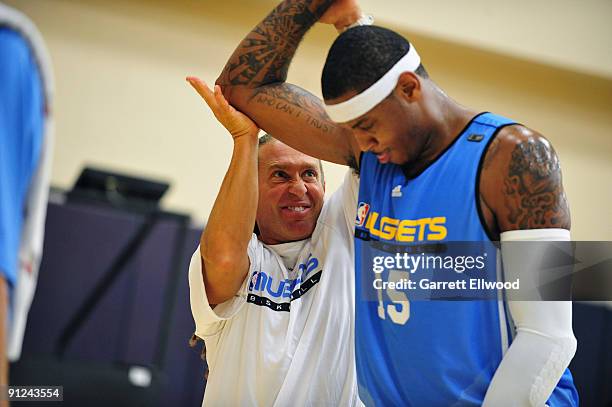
(209, 321)
(341, 208)
(544, 343)
(349, 198)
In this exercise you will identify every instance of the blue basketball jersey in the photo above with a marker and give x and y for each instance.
(425, 352)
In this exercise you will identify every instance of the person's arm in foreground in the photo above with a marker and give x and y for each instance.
(522, 186)
(254, 78)
(224, 241)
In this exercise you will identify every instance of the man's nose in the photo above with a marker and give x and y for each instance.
(298, 188)
(365, 140)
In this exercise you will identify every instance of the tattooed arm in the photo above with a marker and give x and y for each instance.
(521, 185)
(254, 78)
(521, 189)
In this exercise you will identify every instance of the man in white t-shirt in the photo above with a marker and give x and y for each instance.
(275, 309)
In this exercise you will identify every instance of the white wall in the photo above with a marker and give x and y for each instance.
(566, 33)
(122, 101)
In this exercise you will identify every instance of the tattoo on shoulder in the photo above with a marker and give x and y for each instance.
(533, 187)
(297, 102)
(267, 51)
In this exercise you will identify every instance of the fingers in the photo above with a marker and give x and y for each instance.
(234, 121)
(204, 91)
(223, 103)
(213, 98)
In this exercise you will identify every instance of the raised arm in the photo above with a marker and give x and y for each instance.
(224, 242)
(254, 78)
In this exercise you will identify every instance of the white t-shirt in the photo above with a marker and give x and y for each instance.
(287, 337)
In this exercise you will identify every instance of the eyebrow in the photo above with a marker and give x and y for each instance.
(284, 166)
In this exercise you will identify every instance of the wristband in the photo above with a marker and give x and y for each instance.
(365, 19)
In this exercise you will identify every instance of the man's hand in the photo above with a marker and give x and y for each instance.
(223, 244)
(341, 14)
(237, 123)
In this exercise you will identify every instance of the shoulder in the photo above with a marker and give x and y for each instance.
(519, 145)
(521, 181)
(339, 209)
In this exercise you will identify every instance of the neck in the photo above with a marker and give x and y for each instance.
(448, 118)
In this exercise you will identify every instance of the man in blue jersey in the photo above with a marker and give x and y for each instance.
(431, 171)
(25, 84)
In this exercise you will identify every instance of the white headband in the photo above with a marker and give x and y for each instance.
(365, 101)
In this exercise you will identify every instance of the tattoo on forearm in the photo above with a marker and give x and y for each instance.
(265, 54)
(534, 192)
(296, 102)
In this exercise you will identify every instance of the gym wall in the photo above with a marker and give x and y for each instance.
(122, 102)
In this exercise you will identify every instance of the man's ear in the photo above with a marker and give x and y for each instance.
(409, 86)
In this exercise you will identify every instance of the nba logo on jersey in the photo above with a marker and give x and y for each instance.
(396, 192)
(253, 280)
(362, 213)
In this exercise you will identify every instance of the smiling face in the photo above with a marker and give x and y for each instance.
(290, 194)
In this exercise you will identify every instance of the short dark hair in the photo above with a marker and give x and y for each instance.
(265, 139)
(359, 57)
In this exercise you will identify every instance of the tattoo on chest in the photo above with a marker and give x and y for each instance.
(533, 188)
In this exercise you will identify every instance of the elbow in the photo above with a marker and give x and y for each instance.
(216, 250)
(227, 87)
(222, 251)
(223, 275)
(223, 82)
(236, 94)
(216, 298)
(223, 262)
(545, 367)
(572, 346)
(222, 280)
(562, 352)
(561, 348)
(223, 79)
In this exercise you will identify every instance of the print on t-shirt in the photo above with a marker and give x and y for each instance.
(266, 291)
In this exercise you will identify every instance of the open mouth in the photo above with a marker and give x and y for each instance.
(296, 210)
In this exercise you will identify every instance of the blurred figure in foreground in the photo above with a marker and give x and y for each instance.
(26, 88)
